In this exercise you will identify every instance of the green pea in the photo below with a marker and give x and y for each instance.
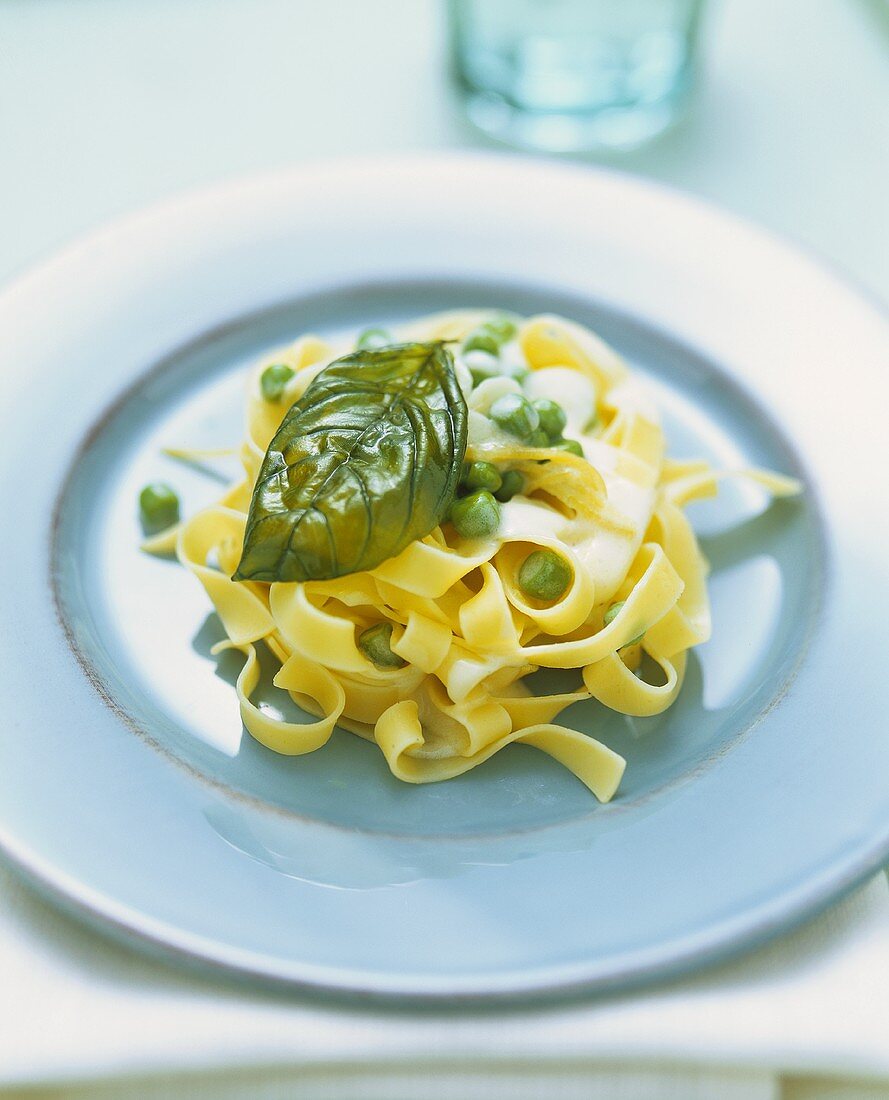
(480, 339)
(611, 614)
(569, 445)
(552, 417)
(544, 575)
(483, 475)
(273, 380)
(501, 326)
(482, 366)
(515, 414)
(159, 506)
(539, 438)
(373, 338)
(376, 644)
(517, 371)
(512, 484)
(475, 516)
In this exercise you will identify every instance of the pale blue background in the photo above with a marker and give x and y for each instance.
(106, 105)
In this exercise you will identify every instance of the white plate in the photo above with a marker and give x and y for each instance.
(126, 786)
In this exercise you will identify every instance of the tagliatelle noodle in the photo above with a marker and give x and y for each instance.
(461, 622)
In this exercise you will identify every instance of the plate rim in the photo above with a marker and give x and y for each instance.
(164, 941)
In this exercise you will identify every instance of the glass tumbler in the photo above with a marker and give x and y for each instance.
(572, 75)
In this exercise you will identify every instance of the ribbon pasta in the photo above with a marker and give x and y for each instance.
(467, 632)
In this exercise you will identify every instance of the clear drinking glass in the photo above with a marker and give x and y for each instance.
(570, 75)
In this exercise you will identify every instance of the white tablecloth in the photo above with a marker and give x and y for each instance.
(108, 104)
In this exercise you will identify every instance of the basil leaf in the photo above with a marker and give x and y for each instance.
(363, 464)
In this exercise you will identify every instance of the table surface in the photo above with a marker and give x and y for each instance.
(106, 105)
